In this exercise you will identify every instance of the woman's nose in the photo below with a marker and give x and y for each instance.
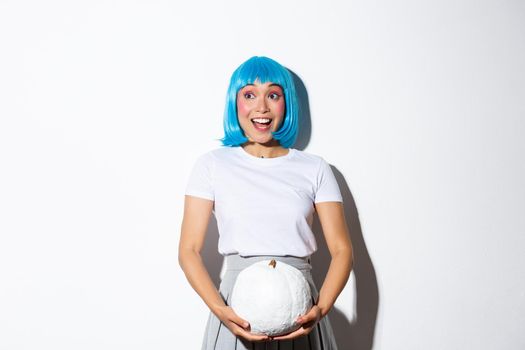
(262, 105)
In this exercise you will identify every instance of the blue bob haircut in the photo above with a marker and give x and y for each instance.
(264, 70)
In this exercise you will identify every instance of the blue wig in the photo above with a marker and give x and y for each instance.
(264, 70)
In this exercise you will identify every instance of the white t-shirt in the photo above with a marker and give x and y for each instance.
(263, 206)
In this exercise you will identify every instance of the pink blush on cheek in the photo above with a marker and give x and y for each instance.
(279, 110)
(242, 107)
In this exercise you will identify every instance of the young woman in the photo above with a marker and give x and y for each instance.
(263, 194)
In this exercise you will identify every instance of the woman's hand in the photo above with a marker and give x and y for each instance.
(307, 322)
(237, 325)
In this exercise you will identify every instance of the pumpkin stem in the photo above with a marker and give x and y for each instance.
(272, 263)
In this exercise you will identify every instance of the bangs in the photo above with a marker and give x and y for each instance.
(261, 70)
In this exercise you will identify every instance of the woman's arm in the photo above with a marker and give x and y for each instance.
(335, 230)
(197, 212)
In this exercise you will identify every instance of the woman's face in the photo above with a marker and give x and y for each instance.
(260, 110)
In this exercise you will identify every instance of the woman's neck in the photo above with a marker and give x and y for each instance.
(264, 151)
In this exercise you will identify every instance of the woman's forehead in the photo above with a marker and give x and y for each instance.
(268, 84)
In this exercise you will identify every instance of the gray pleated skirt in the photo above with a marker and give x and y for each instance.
(218, 337)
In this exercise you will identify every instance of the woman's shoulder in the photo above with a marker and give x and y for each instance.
(222, 151)
(216, 153)
(308, 156)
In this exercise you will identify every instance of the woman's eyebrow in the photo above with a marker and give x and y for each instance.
(268, 85)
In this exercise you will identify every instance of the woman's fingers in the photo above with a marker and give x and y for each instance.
(313, 315)
(239, 321)
(253, 337)
(307, 322)
(239, 326)
(240, 332)
(300, 332)
(229, 315)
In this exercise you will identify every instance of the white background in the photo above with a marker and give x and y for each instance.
(105, 105)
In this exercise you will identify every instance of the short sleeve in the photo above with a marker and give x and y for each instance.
(327, 187)
(200, 182)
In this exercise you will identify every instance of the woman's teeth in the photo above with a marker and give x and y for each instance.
(261, 123)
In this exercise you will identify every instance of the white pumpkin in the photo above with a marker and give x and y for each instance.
(271, 295)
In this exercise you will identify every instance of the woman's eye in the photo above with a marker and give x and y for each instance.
(249, 95)
(274, 96)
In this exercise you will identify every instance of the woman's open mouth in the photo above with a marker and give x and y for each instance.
(262, 124)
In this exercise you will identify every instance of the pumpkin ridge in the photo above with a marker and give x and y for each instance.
(288, 284)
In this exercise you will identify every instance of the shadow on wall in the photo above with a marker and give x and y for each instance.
(357, 335)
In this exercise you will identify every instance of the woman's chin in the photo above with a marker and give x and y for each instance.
(263, 139)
